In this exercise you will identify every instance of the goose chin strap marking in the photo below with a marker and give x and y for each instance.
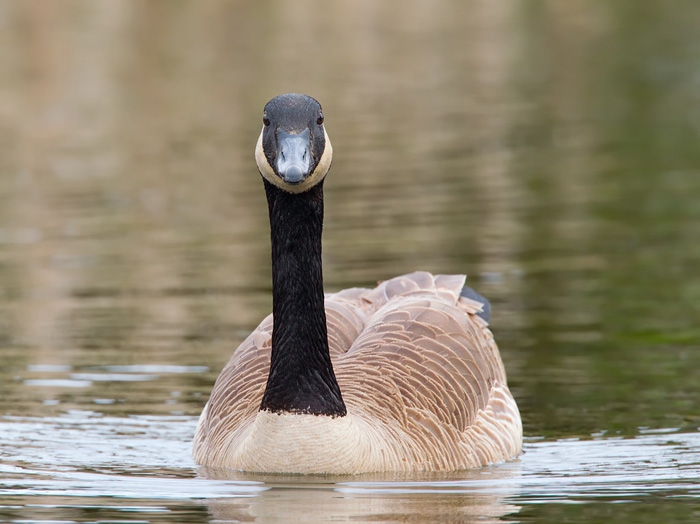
(318, 174)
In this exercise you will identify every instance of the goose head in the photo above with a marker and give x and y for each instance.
(293, 151)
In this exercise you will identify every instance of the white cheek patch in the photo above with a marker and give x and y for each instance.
(263, 165)
(266, 170)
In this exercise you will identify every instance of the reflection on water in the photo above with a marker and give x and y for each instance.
(141, 464)
(548, 149)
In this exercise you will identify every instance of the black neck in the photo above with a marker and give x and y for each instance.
(301, 376)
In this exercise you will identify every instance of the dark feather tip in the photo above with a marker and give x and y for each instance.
(473, 295)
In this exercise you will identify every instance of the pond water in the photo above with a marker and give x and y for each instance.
(547, 149)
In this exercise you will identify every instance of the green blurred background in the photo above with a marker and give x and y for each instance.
(548, 149)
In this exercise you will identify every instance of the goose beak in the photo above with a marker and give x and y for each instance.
(293, 159)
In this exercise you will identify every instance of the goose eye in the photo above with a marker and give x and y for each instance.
(266, 121)
(319, 120)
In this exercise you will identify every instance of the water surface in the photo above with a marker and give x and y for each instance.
(546, 149)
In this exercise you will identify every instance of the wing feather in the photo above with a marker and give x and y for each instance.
(412, 359)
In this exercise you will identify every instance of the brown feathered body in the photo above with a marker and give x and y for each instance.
(420, 374)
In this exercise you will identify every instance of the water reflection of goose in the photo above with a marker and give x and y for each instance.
(402, 377)
(483, 496)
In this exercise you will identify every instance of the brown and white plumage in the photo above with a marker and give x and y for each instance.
(402, 377)
(420, 374)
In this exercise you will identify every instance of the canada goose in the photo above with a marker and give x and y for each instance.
(402, 377)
